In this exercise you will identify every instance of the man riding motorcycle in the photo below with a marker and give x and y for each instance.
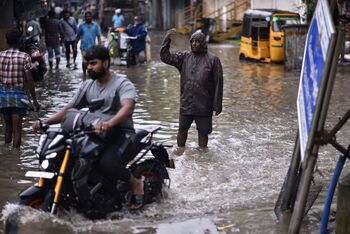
(119, 96)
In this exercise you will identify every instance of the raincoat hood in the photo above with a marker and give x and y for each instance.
(203, 43)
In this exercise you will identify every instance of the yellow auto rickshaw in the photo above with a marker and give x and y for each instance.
(262, 35)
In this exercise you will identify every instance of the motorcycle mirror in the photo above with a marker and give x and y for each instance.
(96, 104)
(30, 29)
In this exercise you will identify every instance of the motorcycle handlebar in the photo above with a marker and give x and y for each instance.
(129, 37)
(28, 38)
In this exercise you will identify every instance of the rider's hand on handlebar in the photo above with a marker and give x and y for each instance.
(36, 125)
(101, 127)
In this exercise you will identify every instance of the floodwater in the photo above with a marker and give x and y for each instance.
(231, 187)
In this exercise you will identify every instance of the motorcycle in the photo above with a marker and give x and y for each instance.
(68, 179)
(30, 46)
(120, 47)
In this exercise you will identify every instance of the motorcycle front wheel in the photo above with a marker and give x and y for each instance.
(43, 203)
(34, 202)
(40, 202)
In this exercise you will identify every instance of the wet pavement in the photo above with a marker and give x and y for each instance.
(231, 187)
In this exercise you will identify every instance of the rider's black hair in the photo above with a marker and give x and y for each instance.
(98, 52)
(13, 36)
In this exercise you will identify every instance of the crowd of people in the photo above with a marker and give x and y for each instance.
(62, 27)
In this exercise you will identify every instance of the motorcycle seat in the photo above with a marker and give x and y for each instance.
(140, 134)
(131, 146)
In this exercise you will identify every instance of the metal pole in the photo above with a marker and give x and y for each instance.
(332, 73)
(302, 194)
(292, 177)
(317, 124)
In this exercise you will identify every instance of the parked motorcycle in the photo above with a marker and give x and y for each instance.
(31, 47)
(68, 179)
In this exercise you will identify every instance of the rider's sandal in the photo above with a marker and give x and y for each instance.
(136, 202)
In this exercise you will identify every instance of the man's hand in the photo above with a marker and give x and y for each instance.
(36, 125)
(101, 127)
(169, 33)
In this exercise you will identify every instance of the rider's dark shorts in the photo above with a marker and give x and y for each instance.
(13, 110)
(203, 123)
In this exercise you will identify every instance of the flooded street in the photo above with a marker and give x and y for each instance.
(231, 187)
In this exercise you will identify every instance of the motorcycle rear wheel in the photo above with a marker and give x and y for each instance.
(153, 178)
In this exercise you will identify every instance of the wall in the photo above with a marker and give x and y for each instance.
(295, 36)
(290, 5)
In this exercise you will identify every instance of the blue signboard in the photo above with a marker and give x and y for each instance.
(316, 47)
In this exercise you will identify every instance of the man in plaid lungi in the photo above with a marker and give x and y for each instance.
(15, 77)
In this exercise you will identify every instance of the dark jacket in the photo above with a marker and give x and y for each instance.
(201, 79)
(140, 32)
(52, 32)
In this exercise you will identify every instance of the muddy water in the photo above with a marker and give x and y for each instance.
(231, 187)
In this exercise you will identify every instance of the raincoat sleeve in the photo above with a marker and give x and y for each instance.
(169, 58)
(219, 84)
(142, 33)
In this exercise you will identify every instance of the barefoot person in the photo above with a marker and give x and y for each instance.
(15, 77)
(201, 86)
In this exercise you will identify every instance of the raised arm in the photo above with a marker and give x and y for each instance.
(165, 55)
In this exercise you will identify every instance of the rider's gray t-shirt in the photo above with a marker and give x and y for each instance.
(117, 89)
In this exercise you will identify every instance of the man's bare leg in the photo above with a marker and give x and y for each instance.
(181, 138)
(137, 187)
(17, 130)
(7, 128)
(84, 70)
(202, 140)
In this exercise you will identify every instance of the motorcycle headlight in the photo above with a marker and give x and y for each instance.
(41, 142)
(44, 165)
(52, 155)
(55, 141)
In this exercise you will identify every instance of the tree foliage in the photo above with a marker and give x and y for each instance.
(310, 8)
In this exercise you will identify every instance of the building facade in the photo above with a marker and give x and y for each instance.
(290, 5)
